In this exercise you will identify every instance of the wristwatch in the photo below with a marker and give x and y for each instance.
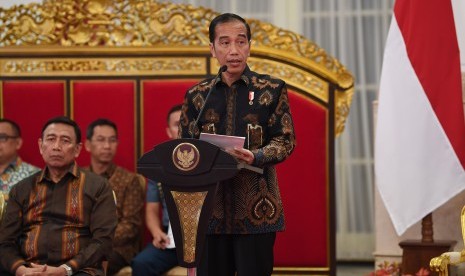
(68, 269)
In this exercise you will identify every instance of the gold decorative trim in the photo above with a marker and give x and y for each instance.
(189, 206)
(145, 28)
(102, 66)
(143, 23)
(298, 78)
(1, 99)
(342, 107)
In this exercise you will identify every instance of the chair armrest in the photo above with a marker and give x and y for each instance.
(441, 263)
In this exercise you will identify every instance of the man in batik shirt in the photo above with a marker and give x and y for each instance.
(12, 168)
(102, 144)
(248, 209)
(61, 220)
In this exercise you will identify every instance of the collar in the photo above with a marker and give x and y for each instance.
(108, 173)
(14, 165)
(72, 170)
(246, 77)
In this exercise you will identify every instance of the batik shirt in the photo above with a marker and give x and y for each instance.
(129, 204)
(255, 107)
(70, 222)
(15, 172)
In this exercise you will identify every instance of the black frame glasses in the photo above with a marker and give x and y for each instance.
(5, 138)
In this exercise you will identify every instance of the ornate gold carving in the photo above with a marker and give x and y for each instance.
(342, 107)
(293, 76)
(189, 206)
(94, 25)
(106, 66)
(141, 23)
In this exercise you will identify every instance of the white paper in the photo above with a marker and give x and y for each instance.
(170, 237)
(223, 141)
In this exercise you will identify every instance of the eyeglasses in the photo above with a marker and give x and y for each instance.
(4, 138)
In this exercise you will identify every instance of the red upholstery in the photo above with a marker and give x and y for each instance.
(158, 98)
(111, 99)
(303, 182)
(303, 178)
(31, 104)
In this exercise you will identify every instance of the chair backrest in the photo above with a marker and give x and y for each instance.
(130, 61)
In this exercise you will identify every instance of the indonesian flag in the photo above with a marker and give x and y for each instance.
(420, 134)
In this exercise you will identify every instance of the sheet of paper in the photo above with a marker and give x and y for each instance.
(223, 141)
(171, 237)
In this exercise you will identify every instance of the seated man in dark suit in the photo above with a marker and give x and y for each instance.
(61, 220)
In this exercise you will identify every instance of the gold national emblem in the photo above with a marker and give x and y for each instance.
(186, 156)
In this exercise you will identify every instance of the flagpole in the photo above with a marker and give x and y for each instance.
(427, 229)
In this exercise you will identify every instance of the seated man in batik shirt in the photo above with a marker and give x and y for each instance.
(102, 143)
(12, 168)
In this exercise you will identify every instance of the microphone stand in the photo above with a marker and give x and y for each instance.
(192, 271)
(217, 78)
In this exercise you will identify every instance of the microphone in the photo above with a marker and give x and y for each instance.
(217, 79)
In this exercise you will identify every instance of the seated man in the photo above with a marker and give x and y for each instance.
(156, 258)
(12, 168)
(61, 220)
(102, 143)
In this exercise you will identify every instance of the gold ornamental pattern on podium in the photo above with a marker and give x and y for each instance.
(189, 206)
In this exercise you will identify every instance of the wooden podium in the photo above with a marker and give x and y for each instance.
(190, 171)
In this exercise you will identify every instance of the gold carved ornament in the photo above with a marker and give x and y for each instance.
(144, 24)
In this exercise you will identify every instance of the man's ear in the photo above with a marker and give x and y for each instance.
(39, 142)
(78, 150)
(19, 143)
(87, 145)
(212, 50)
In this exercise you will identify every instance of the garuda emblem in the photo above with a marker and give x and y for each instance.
(185, 156)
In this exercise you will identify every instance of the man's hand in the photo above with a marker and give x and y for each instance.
(242, 154)
(40, 270)
(160, 239)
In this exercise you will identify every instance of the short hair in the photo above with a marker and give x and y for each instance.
(224, 18)
(175, 108)
(13, 124)
(66, 121)
(100, 122)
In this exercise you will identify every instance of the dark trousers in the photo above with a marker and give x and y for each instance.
(115, 263)
(153, 261)
(248, 255)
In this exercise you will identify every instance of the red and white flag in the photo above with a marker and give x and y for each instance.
(420, 133)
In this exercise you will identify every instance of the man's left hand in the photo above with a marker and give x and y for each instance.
(46, 270)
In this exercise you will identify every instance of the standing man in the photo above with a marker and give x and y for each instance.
(156, 258)
(102, 143)
(248, 209)
(12, 168)
(61, 220)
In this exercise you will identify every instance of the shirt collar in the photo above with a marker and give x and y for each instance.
(108, 173)
(72, 170)
(246, 76)
(14, 165)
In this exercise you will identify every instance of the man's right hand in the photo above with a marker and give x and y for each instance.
(160, 239)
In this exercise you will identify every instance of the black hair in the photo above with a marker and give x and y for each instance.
(14, 125)
(175, 108)
(66, 121)
(224, 18)
(99, 122)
